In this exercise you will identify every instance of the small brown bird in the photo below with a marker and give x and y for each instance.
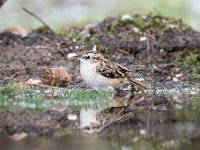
(102, 73)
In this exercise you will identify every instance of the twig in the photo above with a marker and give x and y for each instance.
(122, 51)
(38, 18)
(148, 48)
(149, 36)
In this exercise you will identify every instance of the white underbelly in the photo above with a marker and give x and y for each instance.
(93, 78)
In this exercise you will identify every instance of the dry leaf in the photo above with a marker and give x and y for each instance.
(56, 77)
(17, 30)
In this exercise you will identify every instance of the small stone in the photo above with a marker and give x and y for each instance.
(139, 79)
(71, 55)
(126, 17)
(179, 75)
(161, 50)
(72, 117)
(34, 81)
(143, 38)
(135, 30)
(142, 131)
(74, 40)
(76, 47)
(175, 79)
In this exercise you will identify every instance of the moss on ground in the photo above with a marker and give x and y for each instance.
(15, 96)
(191, 62)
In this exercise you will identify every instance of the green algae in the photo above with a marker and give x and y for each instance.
(10, 90)
(12, 96)
(191, 61)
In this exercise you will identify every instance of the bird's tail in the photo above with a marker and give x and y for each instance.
(140, 85)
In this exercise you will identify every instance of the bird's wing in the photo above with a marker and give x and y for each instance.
(110, 69)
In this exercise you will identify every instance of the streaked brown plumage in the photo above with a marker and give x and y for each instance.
(100, 72)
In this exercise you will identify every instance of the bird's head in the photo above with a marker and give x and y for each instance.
(91, 57)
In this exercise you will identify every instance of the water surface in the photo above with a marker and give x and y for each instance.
(154, 120)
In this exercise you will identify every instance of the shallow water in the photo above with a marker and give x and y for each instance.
(158, 119)
(177, 129)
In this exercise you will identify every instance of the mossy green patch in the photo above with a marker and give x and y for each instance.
(85, 95)
(70, 34)
(95, 40)
(139, 23)
(159, 144)
(13, 96)
(191, 61)
(195, 77)
(10, 90)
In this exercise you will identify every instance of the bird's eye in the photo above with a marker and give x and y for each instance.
(87, 57)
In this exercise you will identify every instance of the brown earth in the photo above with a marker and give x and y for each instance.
(150, 52)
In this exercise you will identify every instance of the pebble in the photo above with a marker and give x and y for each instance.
(143, 38)
(142, 131)
(126, 17)
(71, 55)
(175, 79)
(72, 117)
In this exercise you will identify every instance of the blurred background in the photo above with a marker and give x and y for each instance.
(66, 13)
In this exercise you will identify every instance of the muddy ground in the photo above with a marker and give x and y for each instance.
(156, 48)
